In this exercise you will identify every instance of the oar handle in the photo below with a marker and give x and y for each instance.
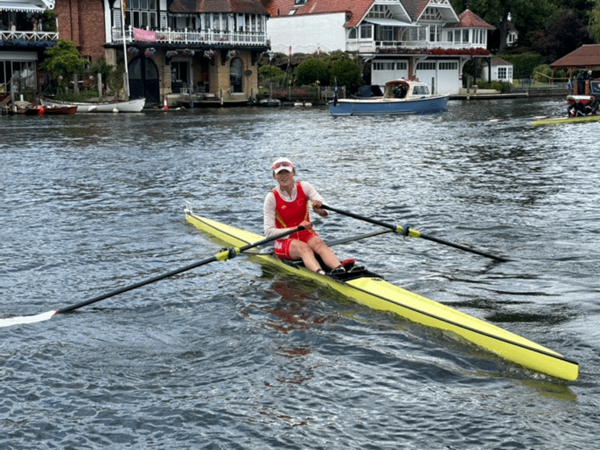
(221, 256)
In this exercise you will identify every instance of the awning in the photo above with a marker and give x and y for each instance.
(389, 22)
(21, 6)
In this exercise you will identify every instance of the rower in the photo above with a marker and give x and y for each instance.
(286, 207)
(593, 106)
(576, 109)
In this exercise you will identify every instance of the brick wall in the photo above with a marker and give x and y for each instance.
(82, 21)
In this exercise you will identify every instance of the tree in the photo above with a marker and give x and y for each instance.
(311, 71)
(565, 34)
(63, 59)
(526, 15)
(595, 21)
(347, 73)
(268, 73)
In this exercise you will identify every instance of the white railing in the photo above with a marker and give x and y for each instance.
(373, 46)
(197, 37)
(33, 36)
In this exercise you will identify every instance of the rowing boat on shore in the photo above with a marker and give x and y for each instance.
(371, 290)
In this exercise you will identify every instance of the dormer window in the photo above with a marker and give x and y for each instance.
(299, 2)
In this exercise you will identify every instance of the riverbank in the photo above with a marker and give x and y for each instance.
(492, 94)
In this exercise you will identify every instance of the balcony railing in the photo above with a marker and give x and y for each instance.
(370, 46)
(207, 37)
(28, 36)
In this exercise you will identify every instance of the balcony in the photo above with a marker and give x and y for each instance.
(191, 37)
(377, 46)
(28, 38)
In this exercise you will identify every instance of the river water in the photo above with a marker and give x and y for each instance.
(234, 355)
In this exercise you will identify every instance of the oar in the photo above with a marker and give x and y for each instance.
(223, 255)
(347, 240)
(412, 233)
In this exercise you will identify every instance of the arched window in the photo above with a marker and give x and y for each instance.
(235, 75)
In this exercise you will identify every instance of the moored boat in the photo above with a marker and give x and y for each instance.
(130, 106)
(399, 97)
(39, 110)
(369, 289)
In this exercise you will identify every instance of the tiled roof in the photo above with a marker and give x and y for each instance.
(500, 62)
(356, 9)
(584, 56)
(468, 19)
(414, 8)
(217, 6)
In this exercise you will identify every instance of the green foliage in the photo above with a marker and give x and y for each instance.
(312, 71)
(269, 73)
(63, 59)
(347, 73)
(115, 80)
(542, 73)
(101, 67)
(595, 21)
(501, 86)
(48, 18)
(523, 64)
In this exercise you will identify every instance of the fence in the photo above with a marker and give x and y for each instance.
(313, 94)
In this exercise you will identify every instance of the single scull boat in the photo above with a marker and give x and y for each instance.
(370, 289)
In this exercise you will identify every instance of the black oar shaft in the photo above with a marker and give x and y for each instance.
(467, 249)
(137, 285)
(356, 216)
(223, 255)
(413, 233)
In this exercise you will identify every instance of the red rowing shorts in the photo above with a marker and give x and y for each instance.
(282, 246)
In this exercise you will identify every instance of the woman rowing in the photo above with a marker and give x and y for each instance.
(286, 207)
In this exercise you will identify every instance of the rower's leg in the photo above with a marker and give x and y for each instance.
(301, 250)
(326, 254)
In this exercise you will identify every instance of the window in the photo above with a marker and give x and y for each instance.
(504, 73)
(21, 74)
(380, 11)
(141, 13)
(435, 33)
(426, 66)
(235, 75)
(386, 33)
(391, 65)
(418, 34)
(431, 14)
(448, 66)
(352, 33)
(366, 32)
(421, 90)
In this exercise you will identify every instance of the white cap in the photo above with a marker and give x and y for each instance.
(282, 164)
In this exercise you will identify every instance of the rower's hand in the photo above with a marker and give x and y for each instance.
(305, 225)
(317, 208)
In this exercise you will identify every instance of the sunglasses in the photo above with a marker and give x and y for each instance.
(282, 164)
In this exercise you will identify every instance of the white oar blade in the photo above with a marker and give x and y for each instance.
(29, 319)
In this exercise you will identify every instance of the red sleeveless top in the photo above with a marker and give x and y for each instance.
(291, 214)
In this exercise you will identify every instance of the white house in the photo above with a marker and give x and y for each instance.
(501, 71)
(422, 39)
(513, 35)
